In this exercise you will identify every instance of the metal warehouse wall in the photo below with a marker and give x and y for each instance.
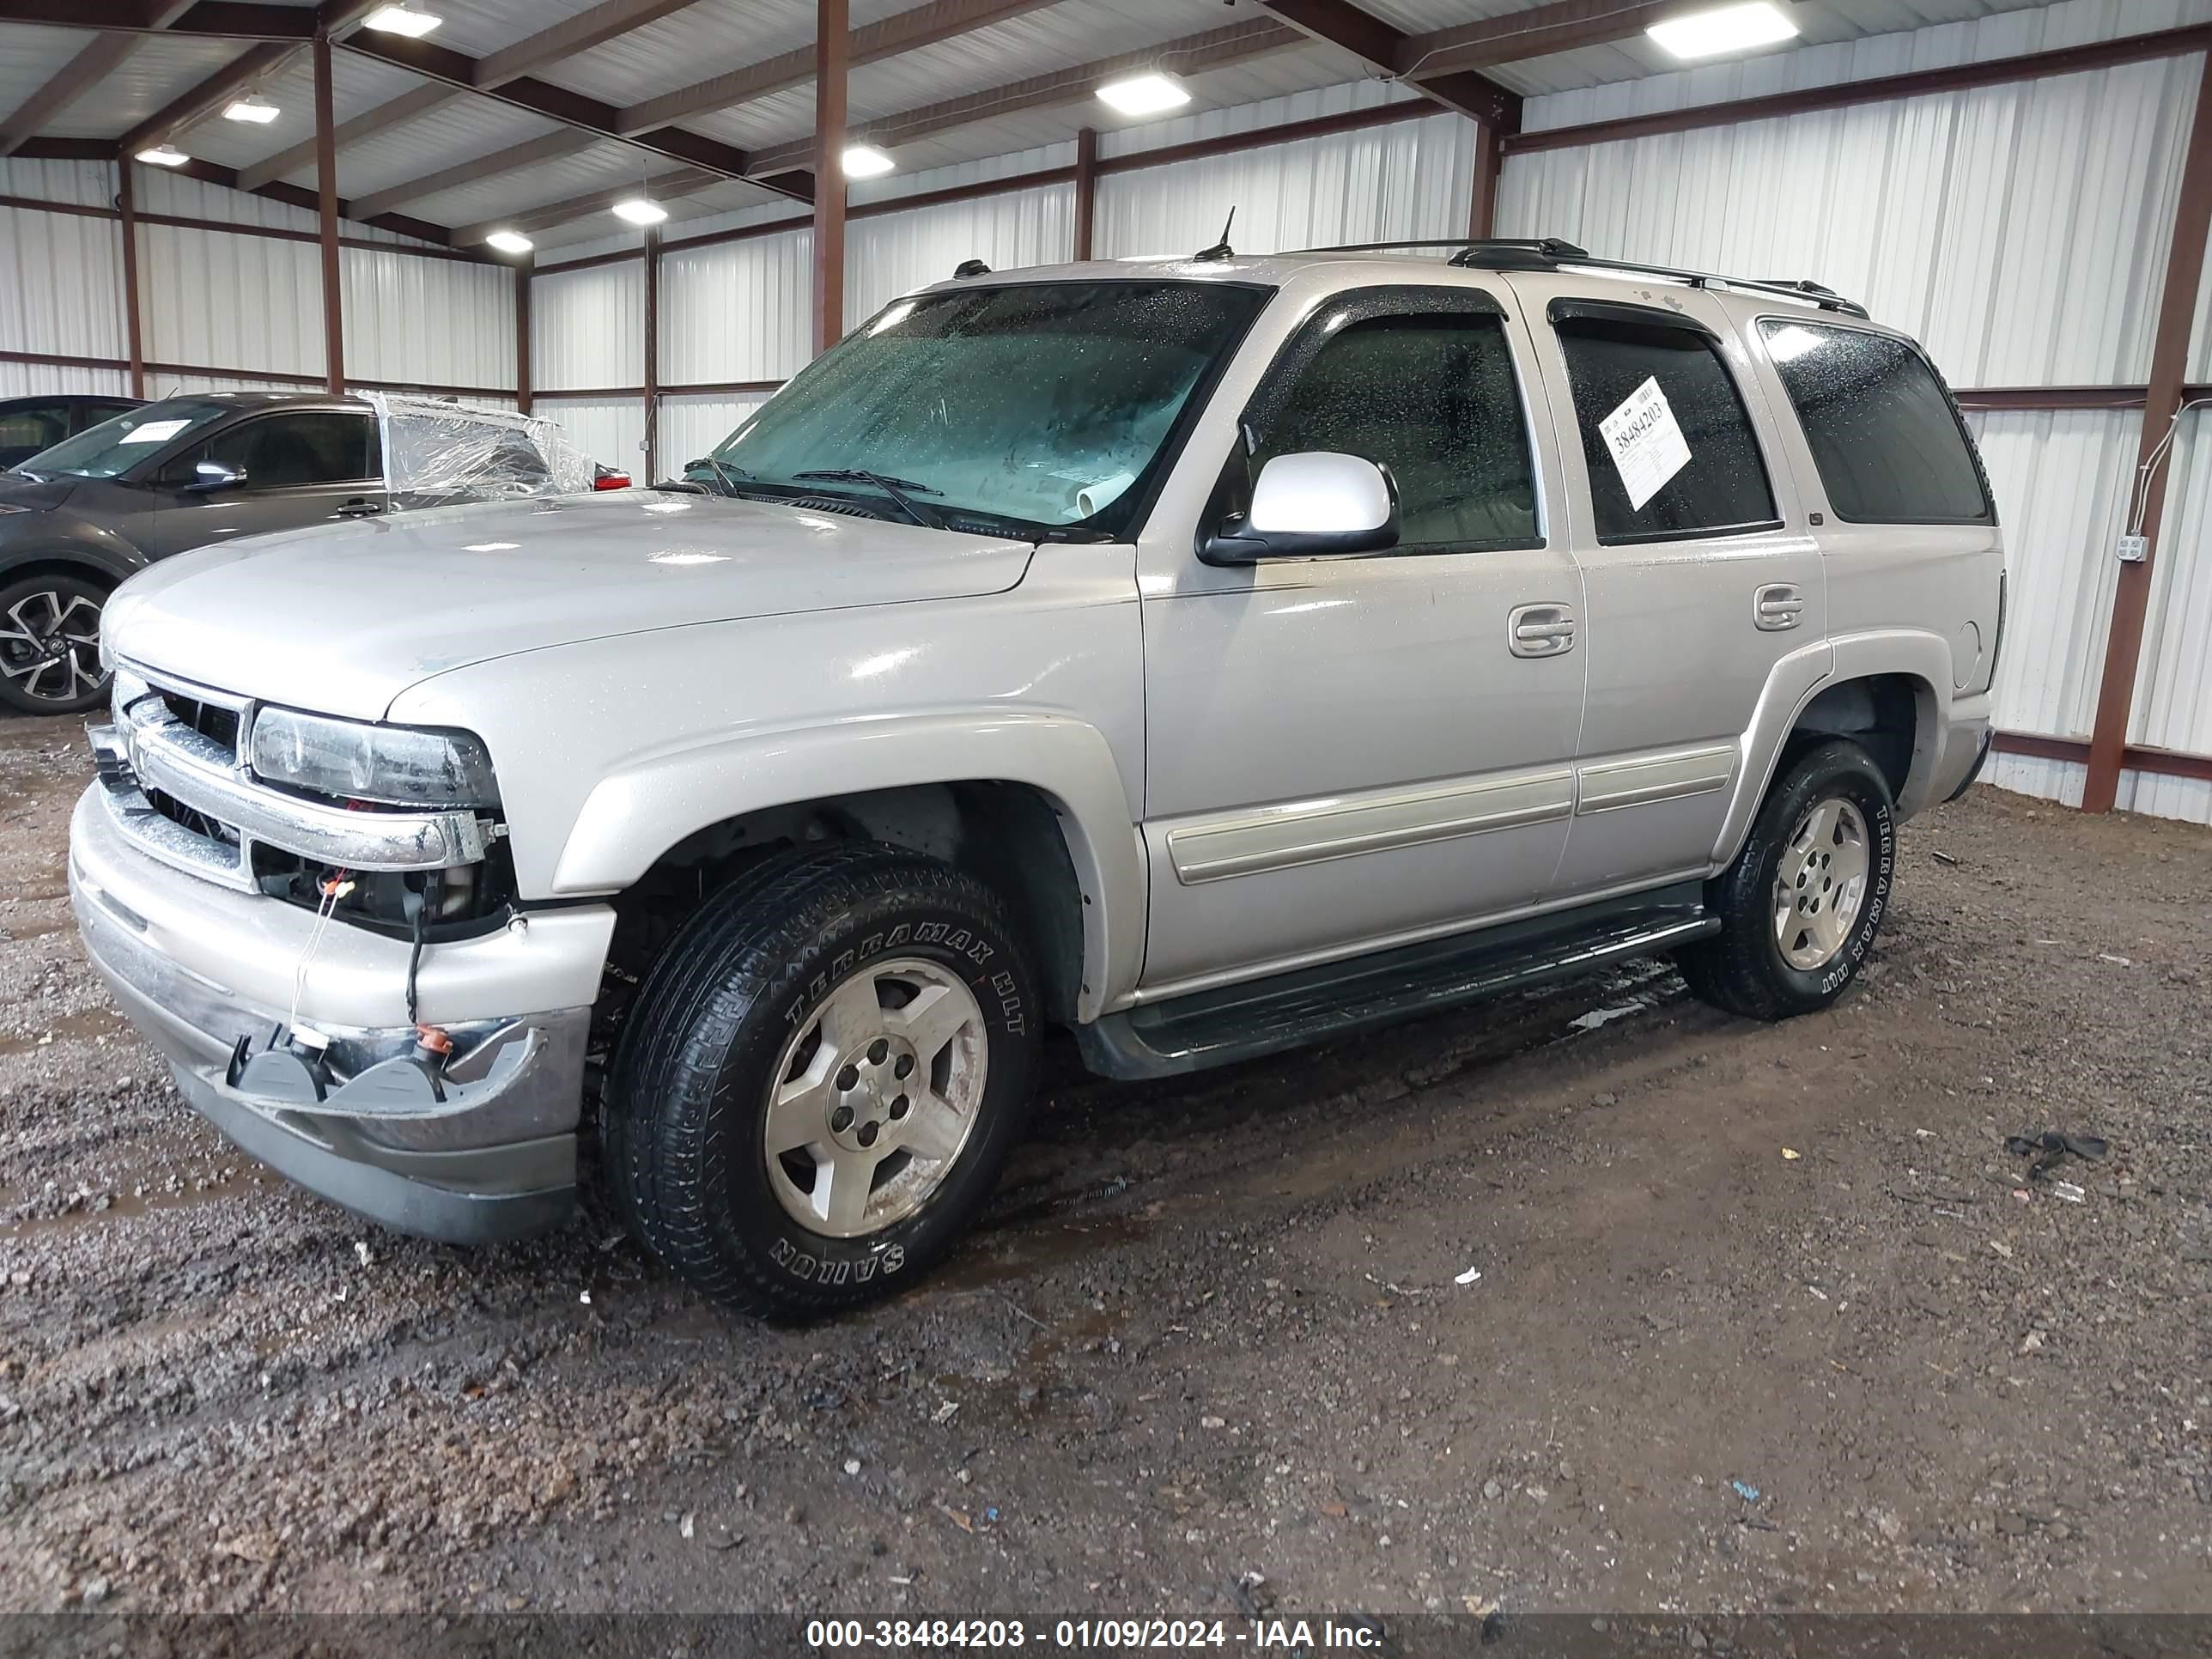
(237, 305)
(2021, 231)
(588, 332)
(1407, 180)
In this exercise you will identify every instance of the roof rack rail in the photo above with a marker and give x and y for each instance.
(1548, 253)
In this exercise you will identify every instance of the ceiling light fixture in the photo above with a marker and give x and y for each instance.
(1151, 94)
(866, 161)
(401, 20)
(254, 108)
(639, 211)
(1730, 28)
(164, 156)
(510, 242)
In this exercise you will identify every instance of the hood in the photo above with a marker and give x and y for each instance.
(19, 490)
(342, 619)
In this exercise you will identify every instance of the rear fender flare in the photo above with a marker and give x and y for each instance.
(1913, 654)
(636, 813)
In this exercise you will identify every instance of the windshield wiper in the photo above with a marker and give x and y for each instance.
(894, 488)
(729, 475)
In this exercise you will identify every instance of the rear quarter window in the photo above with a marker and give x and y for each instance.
(1885, 435)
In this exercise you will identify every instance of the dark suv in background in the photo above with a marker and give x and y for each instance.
(28, 425)
(77, 518)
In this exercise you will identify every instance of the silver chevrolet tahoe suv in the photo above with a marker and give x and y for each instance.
(1204, 655)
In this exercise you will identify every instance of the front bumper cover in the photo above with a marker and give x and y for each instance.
(198, 967)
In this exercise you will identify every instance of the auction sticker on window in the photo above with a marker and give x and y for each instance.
(155, 432)
(1645, 442)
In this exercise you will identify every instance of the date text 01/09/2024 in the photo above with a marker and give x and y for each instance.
(1118, 1634)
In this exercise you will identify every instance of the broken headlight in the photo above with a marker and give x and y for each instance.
(388, 765)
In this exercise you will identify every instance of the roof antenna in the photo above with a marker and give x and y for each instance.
(1220, 250)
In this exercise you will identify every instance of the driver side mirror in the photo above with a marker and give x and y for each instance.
(1309, 506)
(214, 475)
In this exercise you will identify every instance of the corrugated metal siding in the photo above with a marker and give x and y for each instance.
(216, 299)
(437, 322)
(738, 311)
(32, 380)
(1410, 179)
(588, 328)
(2029, 775)
(1631, 90)
(88, 183)
(612, 431)
(886, 257)
(2173, 689)
(2061, 480)
(2020, 231)
(691, 426)
(61, 284)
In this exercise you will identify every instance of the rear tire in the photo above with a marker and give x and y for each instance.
(1800, 907)
(821, 1079)
(50, 645)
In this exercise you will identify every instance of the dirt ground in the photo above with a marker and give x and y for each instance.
(1766, 1318)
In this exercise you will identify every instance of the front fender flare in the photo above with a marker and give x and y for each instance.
(638, 812)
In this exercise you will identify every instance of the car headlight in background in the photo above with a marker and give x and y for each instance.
(391, 765)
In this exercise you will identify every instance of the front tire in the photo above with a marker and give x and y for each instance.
(1801, 905)
(822, 1078)
(50, 645)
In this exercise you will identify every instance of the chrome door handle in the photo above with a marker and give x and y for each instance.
(1540, 630)
(1777, 605)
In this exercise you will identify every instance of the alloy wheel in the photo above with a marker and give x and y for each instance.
(1822, 885)
(49, 646)
(874, 1096)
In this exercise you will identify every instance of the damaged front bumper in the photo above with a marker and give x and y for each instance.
(207, 972)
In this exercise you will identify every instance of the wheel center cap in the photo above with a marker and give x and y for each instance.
(875, 1096)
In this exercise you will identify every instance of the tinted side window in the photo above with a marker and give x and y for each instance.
(1883, 433)
(1722, 487)
(39, 427)
(1431, 395)
(279, 451)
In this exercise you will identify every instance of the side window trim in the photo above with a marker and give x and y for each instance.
(1571, 308)
(1988, 513)
(1345, 309)
(259, 420)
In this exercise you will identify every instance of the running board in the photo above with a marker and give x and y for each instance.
(1312, 1005)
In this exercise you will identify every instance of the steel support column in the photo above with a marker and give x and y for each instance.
(832, 48)
(1482, 199)
(522, 278)
(1086, 188)
(651, 355)
(326, 193)
(2169, 364)
(126, 204)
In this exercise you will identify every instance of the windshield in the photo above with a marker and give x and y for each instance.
(1049, 403)
(115, 446)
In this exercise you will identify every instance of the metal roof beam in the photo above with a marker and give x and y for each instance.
(594, 28)
(554, 146)
(231, 19)
(390, 113)
(198, 102)
(1191, 54)
(91, 65)
(1518, 36)
(573, 109)
(905, 31)
(1339, 23)
(548, 215)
